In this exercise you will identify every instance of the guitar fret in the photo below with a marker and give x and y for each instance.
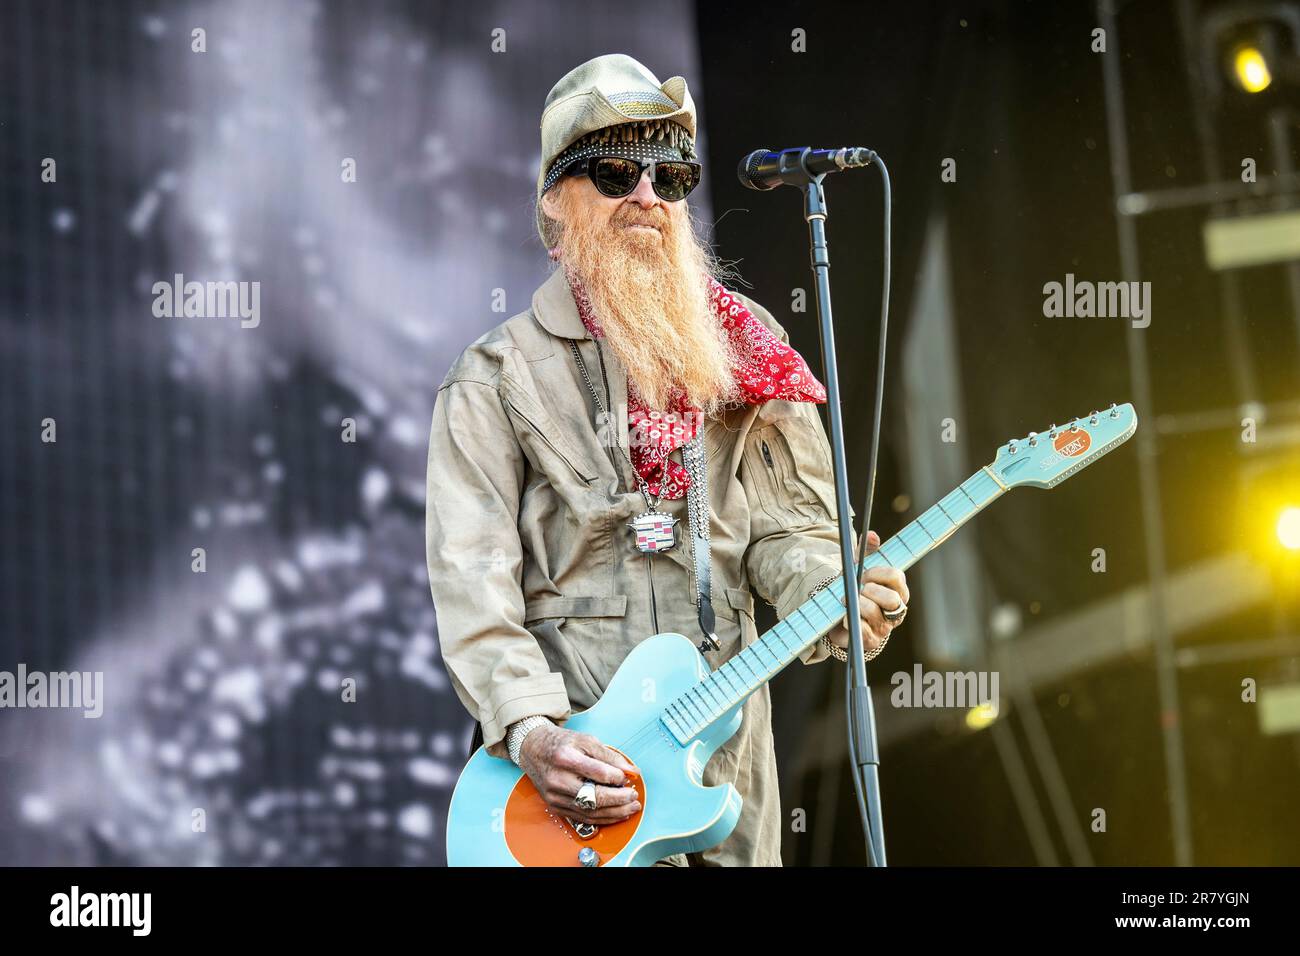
(692, 703)
(705, 708)
(884, 553)
(707, 685)
(776, 631)
(679, 715)
(755, 679)
(922, 526)
(827, 594)
(744, 681)
(826, 619)
(798, 642)
(800, 612)
(710, 689)
(924, 540)
(779, 649)
(725, 676)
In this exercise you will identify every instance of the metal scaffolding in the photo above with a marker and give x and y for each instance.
(1218, 196)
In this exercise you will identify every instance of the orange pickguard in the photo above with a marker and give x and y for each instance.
(538, 836)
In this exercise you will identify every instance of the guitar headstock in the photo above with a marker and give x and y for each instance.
(1045, 459)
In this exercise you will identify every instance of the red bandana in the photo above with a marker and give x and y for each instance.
(768, 369)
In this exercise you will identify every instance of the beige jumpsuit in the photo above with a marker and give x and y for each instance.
(538, 588)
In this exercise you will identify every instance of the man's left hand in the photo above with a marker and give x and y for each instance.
(883, 589)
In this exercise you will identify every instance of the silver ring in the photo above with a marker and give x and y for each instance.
(586, 797)
(895, 616)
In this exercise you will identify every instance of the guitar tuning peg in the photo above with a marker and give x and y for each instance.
(1074, 425)
(1033, 439)
(1013, 446)
(1092, 419)
(1114, 412)
(1052, 433)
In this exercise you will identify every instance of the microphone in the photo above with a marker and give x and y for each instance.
(764, 169)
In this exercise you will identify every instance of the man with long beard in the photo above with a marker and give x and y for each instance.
(564, 446)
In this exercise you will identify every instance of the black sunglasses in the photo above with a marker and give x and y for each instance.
(617, 176)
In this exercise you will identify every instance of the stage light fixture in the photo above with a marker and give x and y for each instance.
(1250, 68)
(1268, 510)
(1288, 528)
(982, 716)
(1249, 49)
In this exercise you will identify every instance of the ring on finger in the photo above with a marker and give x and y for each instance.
(585, 798)
(895, 616)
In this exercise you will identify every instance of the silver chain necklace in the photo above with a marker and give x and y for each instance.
(653, 529)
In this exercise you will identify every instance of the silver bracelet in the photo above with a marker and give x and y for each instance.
(824, 584)
(837, 652)
(518, 731)
(841, 655)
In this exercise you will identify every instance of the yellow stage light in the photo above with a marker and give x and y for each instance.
(1288, 528)
(1251, 69)
(978, 718)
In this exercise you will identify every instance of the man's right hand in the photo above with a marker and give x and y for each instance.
(559, 761)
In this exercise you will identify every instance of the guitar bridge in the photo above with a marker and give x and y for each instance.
(585, 831)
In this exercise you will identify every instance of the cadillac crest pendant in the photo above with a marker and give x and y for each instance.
(653, 530)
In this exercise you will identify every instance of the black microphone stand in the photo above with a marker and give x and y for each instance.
(863, 746)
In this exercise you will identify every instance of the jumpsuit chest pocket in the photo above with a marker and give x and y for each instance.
(792, 470)
(547, 439)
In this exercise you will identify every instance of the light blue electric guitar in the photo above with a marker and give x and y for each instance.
(497, 817)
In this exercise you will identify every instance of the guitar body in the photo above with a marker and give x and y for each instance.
(497, 817)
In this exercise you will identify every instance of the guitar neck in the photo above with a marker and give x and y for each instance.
(718, 693)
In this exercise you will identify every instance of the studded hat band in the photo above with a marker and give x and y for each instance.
(652, 140)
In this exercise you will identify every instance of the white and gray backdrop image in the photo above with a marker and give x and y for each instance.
(229, 732)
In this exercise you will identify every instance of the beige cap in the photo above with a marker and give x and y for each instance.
(611, 90)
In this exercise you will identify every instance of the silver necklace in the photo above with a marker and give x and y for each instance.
(653, 530)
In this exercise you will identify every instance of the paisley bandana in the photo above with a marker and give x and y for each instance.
(767, 369)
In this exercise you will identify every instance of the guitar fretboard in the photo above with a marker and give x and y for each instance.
(728, 686)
